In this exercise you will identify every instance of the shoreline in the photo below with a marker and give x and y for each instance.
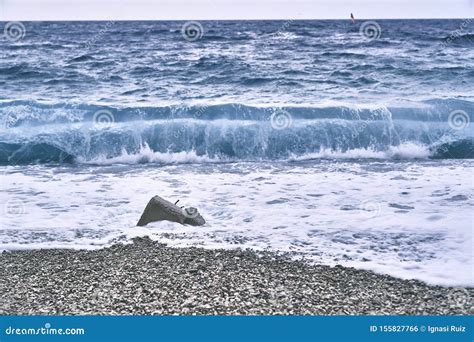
(149, 278)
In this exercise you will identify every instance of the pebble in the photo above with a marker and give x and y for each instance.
(149, 278)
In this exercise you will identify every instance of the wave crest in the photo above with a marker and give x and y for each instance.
(147, 155)
(233, 132)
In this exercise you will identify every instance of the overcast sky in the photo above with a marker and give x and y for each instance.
(231, 9)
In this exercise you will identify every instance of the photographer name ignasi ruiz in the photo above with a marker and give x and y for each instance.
(446, 328)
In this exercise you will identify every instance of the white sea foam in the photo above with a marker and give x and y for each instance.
(407, 219)
(147, 155)
(403, 151)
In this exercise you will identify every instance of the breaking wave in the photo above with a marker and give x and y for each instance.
(229, 132)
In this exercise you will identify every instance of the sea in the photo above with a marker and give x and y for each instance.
(335, 142)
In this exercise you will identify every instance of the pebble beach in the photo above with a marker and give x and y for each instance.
(149, 278)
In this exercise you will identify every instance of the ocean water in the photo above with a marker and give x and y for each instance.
(340, 143)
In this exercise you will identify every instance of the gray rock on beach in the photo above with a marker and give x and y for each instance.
(159, 209)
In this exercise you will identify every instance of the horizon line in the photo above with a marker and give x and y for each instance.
(238, 19)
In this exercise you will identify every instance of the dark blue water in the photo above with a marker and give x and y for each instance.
(346, 144)
(78, 92)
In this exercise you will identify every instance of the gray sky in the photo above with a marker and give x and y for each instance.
(231, 9)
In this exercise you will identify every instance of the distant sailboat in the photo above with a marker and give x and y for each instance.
(352, 18)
